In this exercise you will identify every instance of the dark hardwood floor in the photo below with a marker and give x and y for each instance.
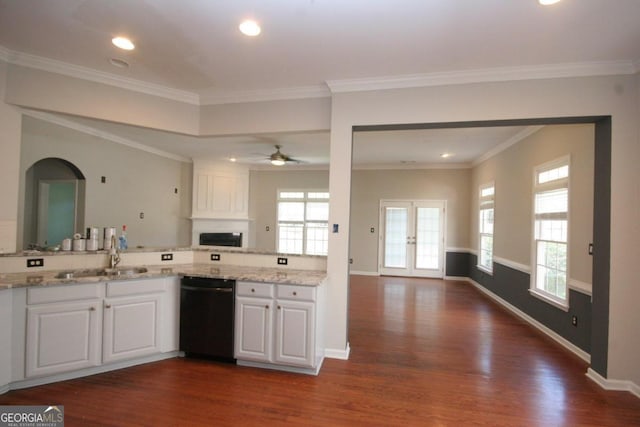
(424, 352)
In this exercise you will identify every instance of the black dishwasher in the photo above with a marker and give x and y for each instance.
(206, 317)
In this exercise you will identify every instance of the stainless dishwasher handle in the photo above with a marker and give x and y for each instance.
(195, 288)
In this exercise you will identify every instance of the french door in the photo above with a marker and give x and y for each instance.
(412, 238)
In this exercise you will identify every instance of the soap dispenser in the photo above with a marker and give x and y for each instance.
(123, 238)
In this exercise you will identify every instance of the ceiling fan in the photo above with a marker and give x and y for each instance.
(279, 159)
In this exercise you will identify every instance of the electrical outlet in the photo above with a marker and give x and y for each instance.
(166, 257)
(283, 261)
(574, 320)
(215, 257)
(373, 230)
(35, 262)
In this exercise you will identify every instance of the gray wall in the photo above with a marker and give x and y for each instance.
(136, 181)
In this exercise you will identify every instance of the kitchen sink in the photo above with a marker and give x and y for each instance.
(98, 272)
(125, 271)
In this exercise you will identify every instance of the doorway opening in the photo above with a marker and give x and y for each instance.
(597, 303)
(54, 202)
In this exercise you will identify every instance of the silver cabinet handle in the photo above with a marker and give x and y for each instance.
(92, 309)
(107, 306)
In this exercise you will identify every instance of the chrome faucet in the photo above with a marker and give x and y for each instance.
(114, 255)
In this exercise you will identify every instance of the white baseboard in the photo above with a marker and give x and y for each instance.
(533, 322)
(617, 385)
(364, 273)
(31, 382)
(333, 353)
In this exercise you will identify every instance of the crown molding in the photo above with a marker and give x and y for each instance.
(236, 97)
(550, 71)
(84, 73)
(408, 166)
(529, 130)
(60, 121)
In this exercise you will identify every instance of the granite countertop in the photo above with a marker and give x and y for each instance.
(222, 271)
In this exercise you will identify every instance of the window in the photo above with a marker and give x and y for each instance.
(550, 231)
(485, 227)
(303, 222)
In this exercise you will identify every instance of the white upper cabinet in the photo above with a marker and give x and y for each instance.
(220, 191)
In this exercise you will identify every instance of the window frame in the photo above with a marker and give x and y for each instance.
(486, 202)
(538, 188)
(304, 223)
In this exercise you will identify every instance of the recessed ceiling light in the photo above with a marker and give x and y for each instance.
(123, 43)
(446, 155)
(548, 2)
(250, 28)
(118, 63)
(233, 159)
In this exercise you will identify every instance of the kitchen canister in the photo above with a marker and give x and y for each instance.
(79, 244)
(92, 244)
(109, 232)
(93, 233)
(66, 244)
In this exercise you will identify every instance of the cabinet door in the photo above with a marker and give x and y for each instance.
(62, 337)
(254, 326)
(295, 333)
(131, 327)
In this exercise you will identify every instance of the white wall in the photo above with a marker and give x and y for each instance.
(43, 90)
(9, 167)
(616, 96)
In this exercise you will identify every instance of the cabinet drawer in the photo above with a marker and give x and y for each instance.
(293, 292)
(251, 289)
(64, 293)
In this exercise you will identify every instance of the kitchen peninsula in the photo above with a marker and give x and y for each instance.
(73, 317)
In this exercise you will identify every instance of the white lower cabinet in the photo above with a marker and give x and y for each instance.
(295, 333)
(276, 324)
(131, 327)
(254, 329)
(63, 335)
(81, 326)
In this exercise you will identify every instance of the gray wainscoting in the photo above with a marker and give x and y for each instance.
(513, 286)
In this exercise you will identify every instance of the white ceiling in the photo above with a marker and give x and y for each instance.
(308, 46)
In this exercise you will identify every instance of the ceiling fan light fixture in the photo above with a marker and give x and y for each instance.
(277, 162)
